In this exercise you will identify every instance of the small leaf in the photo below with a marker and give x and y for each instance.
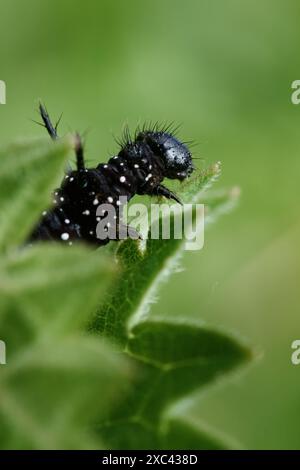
(142, 271)
(182, 433)
(28, 174)
(218, 203)
(50, 284)
(49, 388)
(183, 357)
(176, 359)
(193, 189)
(50, 392)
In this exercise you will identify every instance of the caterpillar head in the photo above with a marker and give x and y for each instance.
(175, 156)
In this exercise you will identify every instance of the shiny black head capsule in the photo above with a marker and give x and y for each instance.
(175, 155)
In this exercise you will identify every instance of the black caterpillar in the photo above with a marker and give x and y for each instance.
(139, 168)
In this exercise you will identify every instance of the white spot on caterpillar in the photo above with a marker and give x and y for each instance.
(118, 203)
(65, 236)
(67, 221)
(62, 198)
(95, 202)
(44, 213)
(72, 179)
(136, 165)
(91, 232)
(86, 212)
(110, 199)
(105, 166)
(122, 179)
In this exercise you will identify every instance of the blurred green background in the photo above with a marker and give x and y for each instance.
(224, 70)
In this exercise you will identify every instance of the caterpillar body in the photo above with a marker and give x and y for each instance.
(139, 168)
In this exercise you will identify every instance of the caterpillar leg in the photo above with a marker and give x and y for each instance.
(161, 190)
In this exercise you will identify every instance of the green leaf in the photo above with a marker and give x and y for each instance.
(53, 285)
(49, 388)
(220, 202)
(49, 396)
(29, 172)
(58, 381)
(143, 271)
(182, 433)
(176, 359)
(193, 189)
